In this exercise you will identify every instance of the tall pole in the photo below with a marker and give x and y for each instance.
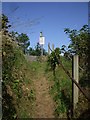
(53, 47)
(49, 48)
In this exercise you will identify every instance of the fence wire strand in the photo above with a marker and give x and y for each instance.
(69, 75)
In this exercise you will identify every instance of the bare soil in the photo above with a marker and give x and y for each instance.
(44, 107)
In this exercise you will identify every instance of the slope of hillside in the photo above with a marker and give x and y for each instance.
(17, 82)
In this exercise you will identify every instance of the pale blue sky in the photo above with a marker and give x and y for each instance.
(51, 18)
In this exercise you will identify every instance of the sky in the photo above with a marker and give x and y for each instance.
(50, 18)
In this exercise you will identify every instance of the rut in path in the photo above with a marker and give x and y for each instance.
(44, 107)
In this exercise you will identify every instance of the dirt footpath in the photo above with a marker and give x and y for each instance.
(44, 107)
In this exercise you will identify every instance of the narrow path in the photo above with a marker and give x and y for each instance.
(44, 107)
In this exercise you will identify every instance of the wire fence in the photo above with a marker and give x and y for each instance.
(69, 75)
(79, 65)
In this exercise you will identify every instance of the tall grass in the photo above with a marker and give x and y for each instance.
(61, 89)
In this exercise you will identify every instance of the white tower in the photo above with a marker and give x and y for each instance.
(41, 42)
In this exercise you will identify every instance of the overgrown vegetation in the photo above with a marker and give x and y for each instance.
(16, 74)
(79, 45)
(61, 87)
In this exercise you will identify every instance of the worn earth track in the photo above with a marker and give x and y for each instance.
(44, 107)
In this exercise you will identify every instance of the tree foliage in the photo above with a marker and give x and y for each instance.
(37, 50)
(5, 22)
(78, 39)
(23, 41)
(79, 42)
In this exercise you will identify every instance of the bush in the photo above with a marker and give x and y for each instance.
(14, 76)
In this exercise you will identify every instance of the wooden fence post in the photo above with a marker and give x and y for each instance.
(49, 48)
(75, 75)
(53, 47)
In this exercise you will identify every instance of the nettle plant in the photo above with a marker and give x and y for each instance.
(53, 59)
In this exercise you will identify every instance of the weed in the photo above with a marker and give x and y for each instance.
(31, 96)
(61, 89)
